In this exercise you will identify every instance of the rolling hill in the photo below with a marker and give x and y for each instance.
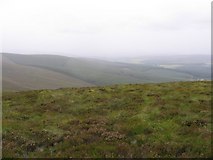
(21, 77)
(24, 72)
(119, 121)
(198, 65)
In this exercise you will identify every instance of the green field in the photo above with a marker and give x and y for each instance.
(149, 120)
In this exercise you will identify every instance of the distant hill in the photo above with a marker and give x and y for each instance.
(164, 120)
(197, 65)
(22, 77)
(24, 72)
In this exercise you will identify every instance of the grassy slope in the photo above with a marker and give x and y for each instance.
(150, 120)
(99, 72)
(21, 77)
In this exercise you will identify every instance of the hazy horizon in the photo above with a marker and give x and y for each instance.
(106, 28)
(110, 57)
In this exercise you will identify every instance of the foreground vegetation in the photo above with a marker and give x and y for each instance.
(150, 120)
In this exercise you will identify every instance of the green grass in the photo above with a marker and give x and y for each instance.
(120, 121)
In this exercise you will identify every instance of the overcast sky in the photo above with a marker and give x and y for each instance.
(106, 27)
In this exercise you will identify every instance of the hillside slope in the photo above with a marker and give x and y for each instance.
(149, 120)
(85, 71)
(20, 77)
